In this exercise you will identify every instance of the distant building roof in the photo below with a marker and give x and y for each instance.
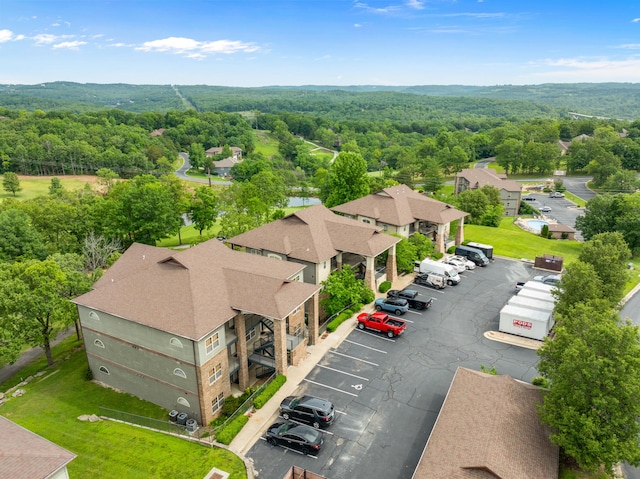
(399, 206)
(479, 177)
(158, 132)
(488, 428)
(316, 234)
(189, 293)
(25, 455)
(560, 228)
(216, 150)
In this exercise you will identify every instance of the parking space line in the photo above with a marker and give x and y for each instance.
(330, 387)
(439, 291)
(298, 422)
(365, 346)
(353, 357)
(342, 372)
(375, 335)
(340, 412)
(414, 312)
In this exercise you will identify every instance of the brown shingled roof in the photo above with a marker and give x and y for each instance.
(25, 455)
(560, 228)
(479, 177)
(399, 206)
(191, 292)
(316, 234)
(488, 427)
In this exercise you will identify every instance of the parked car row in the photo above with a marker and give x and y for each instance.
(303, 416)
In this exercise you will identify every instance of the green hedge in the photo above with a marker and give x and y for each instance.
(269, 391)
(384, 286)
(342, 317)
(451, 250)
(437, 256)
(226, 434)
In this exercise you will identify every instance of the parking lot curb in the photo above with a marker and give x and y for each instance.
(513, 339)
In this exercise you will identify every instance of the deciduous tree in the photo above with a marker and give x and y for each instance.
(11, 182)
(347, 179)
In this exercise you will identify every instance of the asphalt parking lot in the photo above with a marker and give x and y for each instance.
(388, 393)
(562, 210)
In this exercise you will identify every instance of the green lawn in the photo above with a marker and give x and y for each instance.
(52, 403)
(34, 187)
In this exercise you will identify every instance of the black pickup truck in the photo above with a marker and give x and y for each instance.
(411, 296)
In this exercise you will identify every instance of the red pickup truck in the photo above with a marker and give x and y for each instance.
(381, 322)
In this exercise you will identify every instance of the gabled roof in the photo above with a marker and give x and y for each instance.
(479, 177)
(216, 150)
(192, 292)
(25, 455)
(399, 206)
(488, 427)
(560, 228)
(315, 234)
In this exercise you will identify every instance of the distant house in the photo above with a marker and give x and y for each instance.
(403, 211)
(510, 190)
(180, 328)
(223, 167)
(322, 241)
(488, 427)
(25, 455)
(564, 145)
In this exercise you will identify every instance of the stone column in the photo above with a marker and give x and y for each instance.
(313, 325)
(460, 232)
(392, 265)
(339, 260)
(440, 239)
(243, 355)
(280, 345)
(370, 273)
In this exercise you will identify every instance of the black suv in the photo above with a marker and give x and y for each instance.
(308, 409)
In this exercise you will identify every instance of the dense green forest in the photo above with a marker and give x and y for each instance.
(377, 103)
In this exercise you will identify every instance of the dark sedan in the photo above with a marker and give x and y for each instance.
(302, 438)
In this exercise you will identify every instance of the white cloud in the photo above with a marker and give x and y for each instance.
(70, 45)
(636, 20)
(45, 39)
(417, 4)
(579, 69)
(195, 49)
(19, 37)
(357, 25)
(6, 36)
(630, 46)
(55, 24)
(378, 10)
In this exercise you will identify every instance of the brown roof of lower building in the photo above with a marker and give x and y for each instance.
(192, 292)
(26, 455)
(400, 206)
(560, 228)
(479, 177)
(316, 234)
(488, 427)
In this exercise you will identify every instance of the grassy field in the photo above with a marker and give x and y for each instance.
(52, 403)
(33, 186)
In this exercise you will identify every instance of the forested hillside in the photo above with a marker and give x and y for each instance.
(366, 102)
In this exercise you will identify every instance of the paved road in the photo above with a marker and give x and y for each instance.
(182, 173)
(578, 186)
(388, 392)
(30, 355)
(631, 310)
(563, 211)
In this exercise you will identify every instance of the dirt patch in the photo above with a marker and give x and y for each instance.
(83, 178)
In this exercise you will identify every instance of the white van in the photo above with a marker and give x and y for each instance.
(430, 266)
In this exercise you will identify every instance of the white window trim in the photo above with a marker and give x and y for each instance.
(104, 370)
(217, 402)
(215, 343)
(180, 373)
(99, 343)
(251, 333)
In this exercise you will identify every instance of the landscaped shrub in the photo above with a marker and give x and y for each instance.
(451, 250)
(544, 232)
(338, 320)
(540, 381)
(437, 256)
(231, 430)
(384, 286)
(269, 391)
(564, 235)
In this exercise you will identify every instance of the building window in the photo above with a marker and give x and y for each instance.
(215, 373)
(212, 342)
(217, 402)
(175, 342)
(180, 372)
(250, 334)
(94, 315)
(183, 402)
(104, 370)
(366, 220)
(98, 343)
(384, 227)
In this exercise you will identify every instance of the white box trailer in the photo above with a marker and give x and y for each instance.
(525, 322)
(538, 286)
(531, 303)
(532, 293)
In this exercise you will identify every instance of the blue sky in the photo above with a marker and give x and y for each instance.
(320, 42)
